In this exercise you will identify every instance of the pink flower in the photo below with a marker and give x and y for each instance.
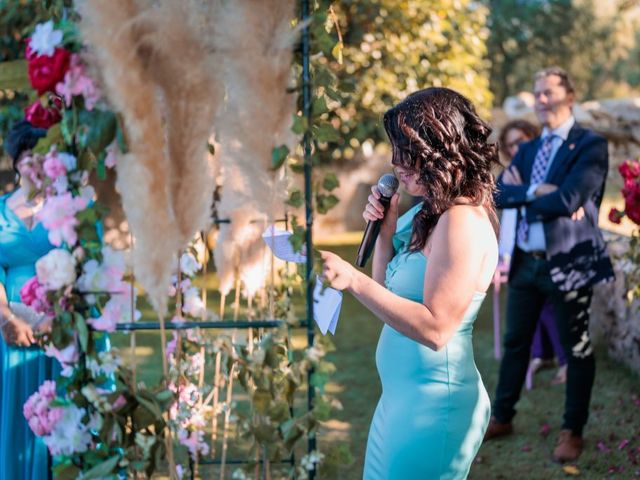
(58, 216)
(119, 403)
(112, 155)
(34, 295)
(53, 166)
(77, 83)
(66, 356)
(38, 412)
(29, 291)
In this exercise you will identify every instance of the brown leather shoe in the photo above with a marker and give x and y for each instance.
(497, 429)
(568, 447)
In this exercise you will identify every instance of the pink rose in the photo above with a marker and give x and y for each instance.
(29, 291)
(53, 166)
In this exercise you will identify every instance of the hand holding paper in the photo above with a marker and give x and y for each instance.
(326, 309)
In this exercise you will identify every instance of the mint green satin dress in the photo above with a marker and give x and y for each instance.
(434, 409)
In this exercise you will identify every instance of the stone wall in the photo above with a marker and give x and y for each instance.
(614, 322)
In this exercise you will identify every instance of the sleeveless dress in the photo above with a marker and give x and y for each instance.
(23, 456)
(434, 409)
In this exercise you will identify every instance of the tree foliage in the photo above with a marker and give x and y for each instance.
(585, 37)
(394, 48)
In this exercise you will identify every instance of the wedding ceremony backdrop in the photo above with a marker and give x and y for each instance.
(190, 102)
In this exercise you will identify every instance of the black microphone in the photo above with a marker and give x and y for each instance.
(387, 186)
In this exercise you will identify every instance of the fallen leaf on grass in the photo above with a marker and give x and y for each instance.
(571, 470)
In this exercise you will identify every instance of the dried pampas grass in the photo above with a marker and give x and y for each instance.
(256, 40)
(157, 66)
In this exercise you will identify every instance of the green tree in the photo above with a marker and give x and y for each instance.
(579, 35)
(393, 48)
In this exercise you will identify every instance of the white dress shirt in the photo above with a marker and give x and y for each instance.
(535, 239)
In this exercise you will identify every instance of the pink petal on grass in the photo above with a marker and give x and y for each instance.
(545, 430)
(623, 444)
(601, 446)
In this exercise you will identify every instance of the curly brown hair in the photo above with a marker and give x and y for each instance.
(437, 134)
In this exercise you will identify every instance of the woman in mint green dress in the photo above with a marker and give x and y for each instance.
(431, 268)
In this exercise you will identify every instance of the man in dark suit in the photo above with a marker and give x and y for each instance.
(556, 181)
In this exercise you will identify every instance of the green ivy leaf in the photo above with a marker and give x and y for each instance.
(325, 132)
(83, 331)
(319, 106)
(101, 129)
(296, 199)
(324, 203)
(300, 124)
(53, 137)
(330, 182)
(102, 470)
(278, 156)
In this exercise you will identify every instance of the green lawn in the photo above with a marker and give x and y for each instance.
(613, 433)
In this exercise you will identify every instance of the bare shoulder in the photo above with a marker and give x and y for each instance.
(465, 217)
(468, 227)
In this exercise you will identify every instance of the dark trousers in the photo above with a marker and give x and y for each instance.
(530, 285)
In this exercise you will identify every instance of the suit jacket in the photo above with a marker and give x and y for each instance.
(575, 249)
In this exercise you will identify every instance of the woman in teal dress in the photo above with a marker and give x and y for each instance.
(23, 365)
(431, 268)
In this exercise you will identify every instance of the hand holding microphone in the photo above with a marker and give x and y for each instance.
(381, 213)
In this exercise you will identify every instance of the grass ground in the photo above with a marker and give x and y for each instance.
(613, 433)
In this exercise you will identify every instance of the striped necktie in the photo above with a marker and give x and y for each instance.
(538, 174)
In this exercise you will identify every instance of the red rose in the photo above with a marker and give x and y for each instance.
(40, 116)
(633, 212)
(615, 215)
(45, 72)
(629, 170)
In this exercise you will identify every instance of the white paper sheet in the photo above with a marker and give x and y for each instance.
(278, 242)
(326, 308)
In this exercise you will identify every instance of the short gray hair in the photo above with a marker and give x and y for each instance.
(565, 79)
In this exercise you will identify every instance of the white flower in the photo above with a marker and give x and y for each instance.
(70, 162)
(193, 304)
(56, 269)
(69, 435)
(88, 193)
(310, 460)
(61, 184)
(189, 265)
(45, 39)
(238, 474)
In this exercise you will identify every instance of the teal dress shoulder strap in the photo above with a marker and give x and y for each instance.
(404, 228)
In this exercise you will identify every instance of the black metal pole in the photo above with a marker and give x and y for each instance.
(308, 199)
